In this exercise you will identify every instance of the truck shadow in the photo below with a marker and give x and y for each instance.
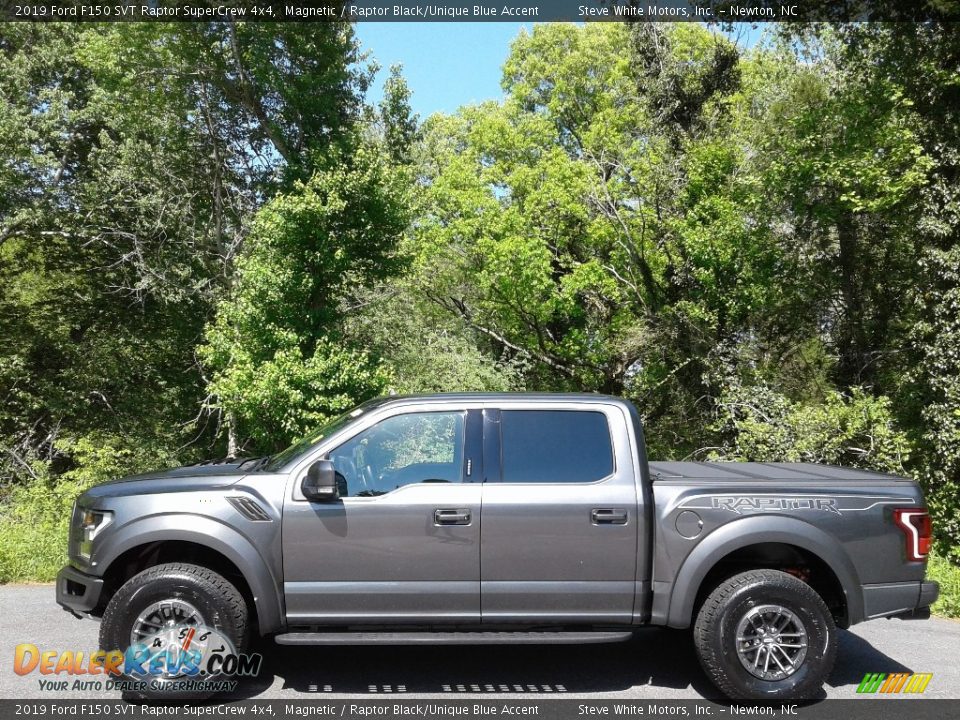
(855, 658)
(657, 663)
(655, 657)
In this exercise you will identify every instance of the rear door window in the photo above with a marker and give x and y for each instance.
(555, 446)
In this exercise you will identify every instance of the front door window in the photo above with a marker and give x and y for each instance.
(401, 450)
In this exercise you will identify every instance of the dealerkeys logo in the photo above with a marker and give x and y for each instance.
(176, 658)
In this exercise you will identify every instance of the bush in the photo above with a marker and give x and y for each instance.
(758, 424)
(34, 517)
(33, 528)
(948, 575)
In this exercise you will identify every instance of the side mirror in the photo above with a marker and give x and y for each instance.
(320, 482)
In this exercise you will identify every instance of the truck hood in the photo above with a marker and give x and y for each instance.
(205, 476)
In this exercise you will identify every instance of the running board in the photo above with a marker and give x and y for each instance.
(450, 638)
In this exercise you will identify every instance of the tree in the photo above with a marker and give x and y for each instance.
(424, 348)
(401, 126)
(899, 78)
(135, 158)
(110, 244)
(595, 225)
(138, 155)
(279, 359)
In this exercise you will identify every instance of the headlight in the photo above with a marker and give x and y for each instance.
(90, 522)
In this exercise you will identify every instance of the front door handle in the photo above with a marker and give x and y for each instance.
(608, 516)
(451, 517)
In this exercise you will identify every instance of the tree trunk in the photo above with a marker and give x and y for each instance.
(850, 334)
(231, 434)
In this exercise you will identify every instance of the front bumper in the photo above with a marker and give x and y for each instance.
(78, 592)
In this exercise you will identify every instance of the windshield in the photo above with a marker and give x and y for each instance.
(310, 439)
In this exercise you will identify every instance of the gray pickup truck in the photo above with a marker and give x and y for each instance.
(505, 518)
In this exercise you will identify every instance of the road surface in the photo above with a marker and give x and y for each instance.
(657, 664)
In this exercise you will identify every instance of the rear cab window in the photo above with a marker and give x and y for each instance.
(555, 446)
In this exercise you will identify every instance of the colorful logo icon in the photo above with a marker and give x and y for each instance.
(909, 683)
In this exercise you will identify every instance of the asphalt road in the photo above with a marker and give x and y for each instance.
(657, 664)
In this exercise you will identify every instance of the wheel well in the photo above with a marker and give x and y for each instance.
(791, 559)
(138, 559)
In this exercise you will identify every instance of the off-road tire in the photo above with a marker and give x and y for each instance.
(714, 635)
(220, 604)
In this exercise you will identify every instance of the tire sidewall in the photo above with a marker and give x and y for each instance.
(820, 643)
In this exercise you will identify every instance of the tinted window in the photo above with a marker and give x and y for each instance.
(555, 446)
(404, 449)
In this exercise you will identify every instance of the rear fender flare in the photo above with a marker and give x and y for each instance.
(752, 531)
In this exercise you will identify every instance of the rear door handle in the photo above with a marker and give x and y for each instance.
(459, 516)
(608, 516)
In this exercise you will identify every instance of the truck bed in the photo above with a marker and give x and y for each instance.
(752, 471)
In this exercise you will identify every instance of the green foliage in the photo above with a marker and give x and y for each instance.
(938, 339)
(33, 530)
(288, 393)
(948, 575)
(207, 238)
(560, 223)
(35, 519)
(921, 290)
(757, 424)
(279, 363)
(400, 123)
(106, 254)
(425, 349)
(135, 156)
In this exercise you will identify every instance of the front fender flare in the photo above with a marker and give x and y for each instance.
(754, 530)
(210, 533)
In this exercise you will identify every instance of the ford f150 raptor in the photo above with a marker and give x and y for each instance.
(505, 518)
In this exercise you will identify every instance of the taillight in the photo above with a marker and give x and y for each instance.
(915, 523)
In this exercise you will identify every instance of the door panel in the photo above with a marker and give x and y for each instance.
(383, 558)
(387, 554)
(564, 550)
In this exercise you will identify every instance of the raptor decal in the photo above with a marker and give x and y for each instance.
(771, 502)
(740, 503)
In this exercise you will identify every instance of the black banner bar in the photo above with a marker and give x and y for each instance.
(473, 707)
(716, 11)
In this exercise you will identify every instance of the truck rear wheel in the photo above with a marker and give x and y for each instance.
(171, 609)
(765, 635)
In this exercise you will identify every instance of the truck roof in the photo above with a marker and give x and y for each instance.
(494, 396)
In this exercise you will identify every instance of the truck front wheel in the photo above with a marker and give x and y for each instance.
(765, 635)
(175, 623)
